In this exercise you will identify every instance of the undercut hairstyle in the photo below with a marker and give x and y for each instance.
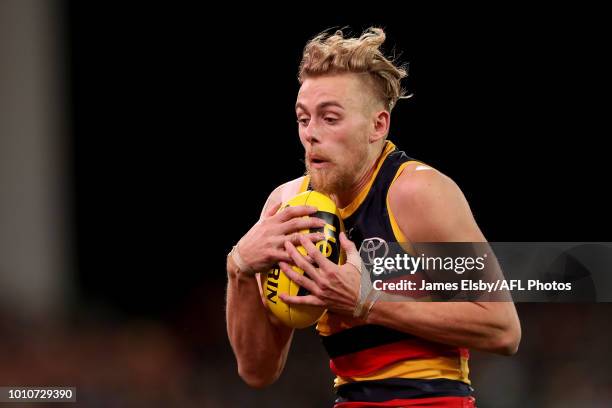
(329, 54)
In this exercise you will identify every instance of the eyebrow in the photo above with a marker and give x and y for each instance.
(322, 105)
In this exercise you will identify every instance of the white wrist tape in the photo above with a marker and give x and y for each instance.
(235, 255)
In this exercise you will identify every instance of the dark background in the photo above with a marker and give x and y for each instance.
(181, 122)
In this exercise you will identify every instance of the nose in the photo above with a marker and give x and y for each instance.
(311, 133)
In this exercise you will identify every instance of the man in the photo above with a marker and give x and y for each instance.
(391, 354)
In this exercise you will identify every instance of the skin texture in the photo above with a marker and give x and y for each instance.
(260, 342)
(339, 124)
(342, 129)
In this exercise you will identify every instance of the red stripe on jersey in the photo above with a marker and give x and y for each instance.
(375, 358)
(437, 402)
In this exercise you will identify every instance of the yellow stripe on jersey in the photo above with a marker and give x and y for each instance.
(397, 231)
(452, 368)
(304, 185)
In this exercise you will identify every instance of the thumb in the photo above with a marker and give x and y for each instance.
(348, 246)
(352, 254)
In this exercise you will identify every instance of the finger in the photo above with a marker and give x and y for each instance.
(299, 279)
(301, 262)
(301, 300)
(315, 254)
(281, 255)
(297, 211)
(313, 237)
(298, 224)
(273, 209)
(352, 254)
(295, 240)
(347, 244)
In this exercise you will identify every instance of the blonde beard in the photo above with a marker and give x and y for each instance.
(338, 179)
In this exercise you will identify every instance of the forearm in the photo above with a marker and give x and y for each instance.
(490, 327)
(259, 345)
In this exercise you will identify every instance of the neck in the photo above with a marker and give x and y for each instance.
(346, 197)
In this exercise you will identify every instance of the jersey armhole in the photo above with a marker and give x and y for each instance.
(397, 232)
(305, 184)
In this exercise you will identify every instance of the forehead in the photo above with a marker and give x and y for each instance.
(343, 88)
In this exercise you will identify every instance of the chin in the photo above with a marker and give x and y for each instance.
(320, 181)
(326, 182)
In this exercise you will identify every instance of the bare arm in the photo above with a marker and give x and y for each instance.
(429, 207)
(483, 326)
(260, 345)
(259, 341)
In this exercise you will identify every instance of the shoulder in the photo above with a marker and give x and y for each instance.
(430, 206)
(287, 190)
(284, 192)
(420, 185)
(291, 188)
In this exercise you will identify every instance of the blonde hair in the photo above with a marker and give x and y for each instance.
(332, 54)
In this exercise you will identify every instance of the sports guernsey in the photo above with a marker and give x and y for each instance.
(377, 366)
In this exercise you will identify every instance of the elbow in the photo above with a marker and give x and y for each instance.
(257, 382)
(256, 378)
(508, 346)
(507, 342)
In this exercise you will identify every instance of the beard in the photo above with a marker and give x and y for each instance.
(340, 174)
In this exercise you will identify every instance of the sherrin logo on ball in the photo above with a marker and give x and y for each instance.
(276, 282)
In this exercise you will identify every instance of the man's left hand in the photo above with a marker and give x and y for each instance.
(332, 286)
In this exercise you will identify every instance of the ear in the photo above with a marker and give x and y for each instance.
(381, 122)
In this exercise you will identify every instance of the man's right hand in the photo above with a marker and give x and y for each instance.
(264, 245)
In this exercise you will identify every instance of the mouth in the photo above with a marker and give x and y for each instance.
(317, 162)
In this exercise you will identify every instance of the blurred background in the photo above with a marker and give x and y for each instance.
(138, 143)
